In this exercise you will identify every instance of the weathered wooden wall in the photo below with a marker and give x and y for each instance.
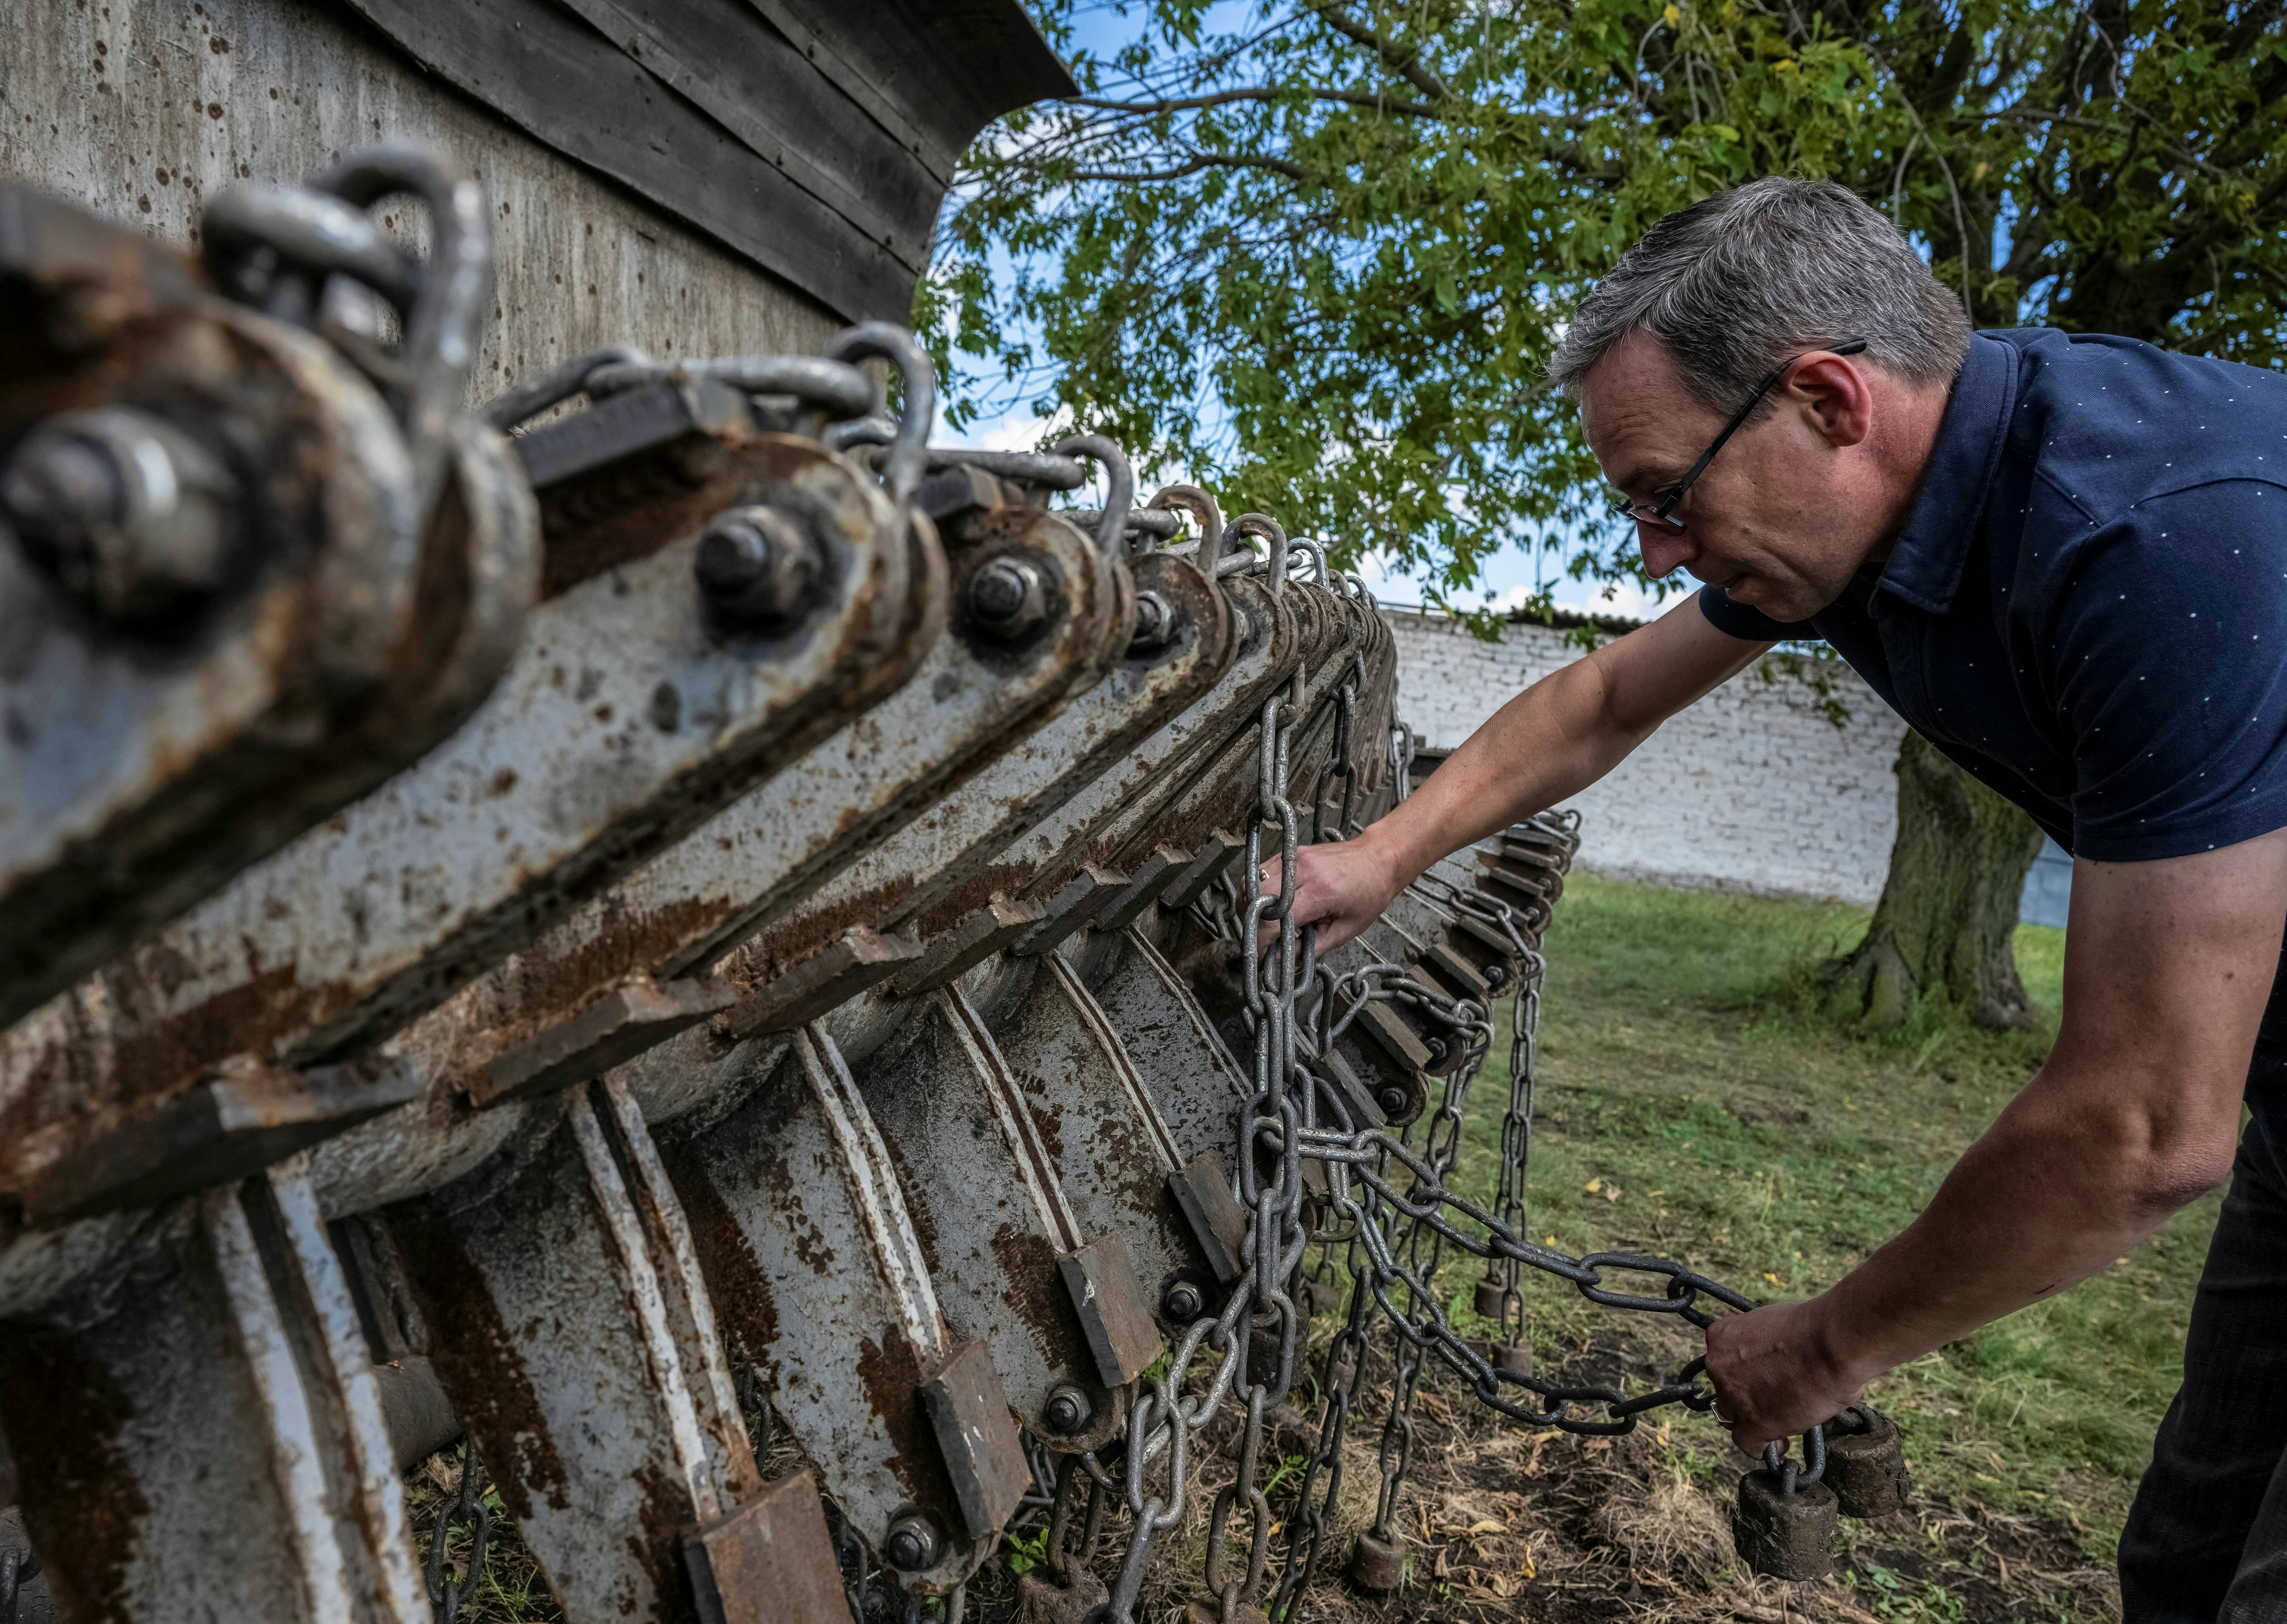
(142, 109)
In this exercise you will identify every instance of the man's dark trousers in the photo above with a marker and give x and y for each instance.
(2207, 1541)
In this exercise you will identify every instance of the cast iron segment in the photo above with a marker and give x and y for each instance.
(207, 1393)
(142, 767)
(229, 1124)
(566, 1322)
(462, 857)
(1201, 1190)
(761, 856)
(1183, 670)
(987, 1210)
(1130, 814)
(857, 959)
(927, 873)
(1193, 1081)
(769, 1562)
(818, 1281)
(611, 1028)
(946, 958)
(1110, 1149)
(763, 853)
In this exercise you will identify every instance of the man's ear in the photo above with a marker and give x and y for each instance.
(1835, 396)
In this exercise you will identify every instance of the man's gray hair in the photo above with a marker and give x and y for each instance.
(1737, 283)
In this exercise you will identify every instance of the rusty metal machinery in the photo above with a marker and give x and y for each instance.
(709, 889)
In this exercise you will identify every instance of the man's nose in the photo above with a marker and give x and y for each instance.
(1665, 550)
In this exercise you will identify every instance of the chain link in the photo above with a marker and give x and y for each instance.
(468, 1506)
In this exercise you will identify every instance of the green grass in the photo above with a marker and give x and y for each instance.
(1685, 1063)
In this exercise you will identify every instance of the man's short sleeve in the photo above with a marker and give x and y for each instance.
(1739, 621)
(2167, 658)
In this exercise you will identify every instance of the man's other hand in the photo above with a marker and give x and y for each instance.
(1774, 1374)
(1338, 887)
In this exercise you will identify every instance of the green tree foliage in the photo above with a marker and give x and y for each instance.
(1317, 254)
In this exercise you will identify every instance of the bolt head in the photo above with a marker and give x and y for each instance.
(1155, 620)
(1008, 597)
(757, 564)
(1392, 1100)
(1436, 1046)
(1182, 1301)
(129, 514)
(1067, 1411)
(913, 1543)
(1496, 975)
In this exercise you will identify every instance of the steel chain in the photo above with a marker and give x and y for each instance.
(467, 1506)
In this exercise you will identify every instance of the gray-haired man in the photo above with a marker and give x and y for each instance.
(2064, 561)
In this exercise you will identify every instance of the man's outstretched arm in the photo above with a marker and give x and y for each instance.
(1552, 740)
(2136, 1112)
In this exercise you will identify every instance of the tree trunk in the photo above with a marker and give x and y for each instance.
(1949, 908)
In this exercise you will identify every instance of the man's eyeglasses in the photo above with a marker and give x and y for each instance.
(1662, 513)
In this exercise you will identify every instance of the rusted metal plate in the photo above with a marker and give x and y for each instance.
(969, 1411)
(991, 1235)
(568, 1325)
(817, 1282)
(331, 634)
(624, 1021)
(225, 1126)
(769, 1562)
(1100, 1279)
(198, 1430)
(629, 717)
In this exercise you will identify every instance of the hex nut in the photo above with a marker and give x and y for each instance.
(1008, 598)
(1155, 620)
(130, 515)
(1393, 1100)
(913, 1544)
(1067, 1411)
(1182, 1301)
(757, 564)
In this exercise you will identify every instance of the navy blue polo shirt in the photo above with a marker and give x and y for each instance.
(2087, 604)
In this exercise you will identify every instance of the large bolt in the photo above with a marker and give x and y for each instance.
(756, 565)
(1067, 1410)
(129, 514)
(913, 1543)
(1182, 1301)
(1393, 1100)
(1008, 597)
(1155, 620)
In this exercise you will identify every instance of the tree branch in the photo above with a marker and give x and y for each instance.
(1199, 160)
(1404, 61)
(1217, 99)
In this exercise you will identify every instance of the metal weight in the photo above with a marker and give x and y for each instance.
(1377, 1564)
(1866, 1463)
(1784, 1535)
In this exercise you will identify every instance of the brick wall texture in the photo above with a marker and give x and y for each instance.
(1751, 788)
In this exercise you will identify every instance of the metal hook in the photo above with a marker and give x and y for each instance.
(1111, 529)
(1271, 531)
(558, 385)
(902, 466)
(1190, 499)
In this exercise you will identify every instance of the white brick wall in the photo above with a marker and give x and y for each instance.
(1752, 786)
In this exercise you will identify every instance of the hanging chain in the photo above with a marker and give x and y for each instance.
(468, 1506)
(1161, 1424)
